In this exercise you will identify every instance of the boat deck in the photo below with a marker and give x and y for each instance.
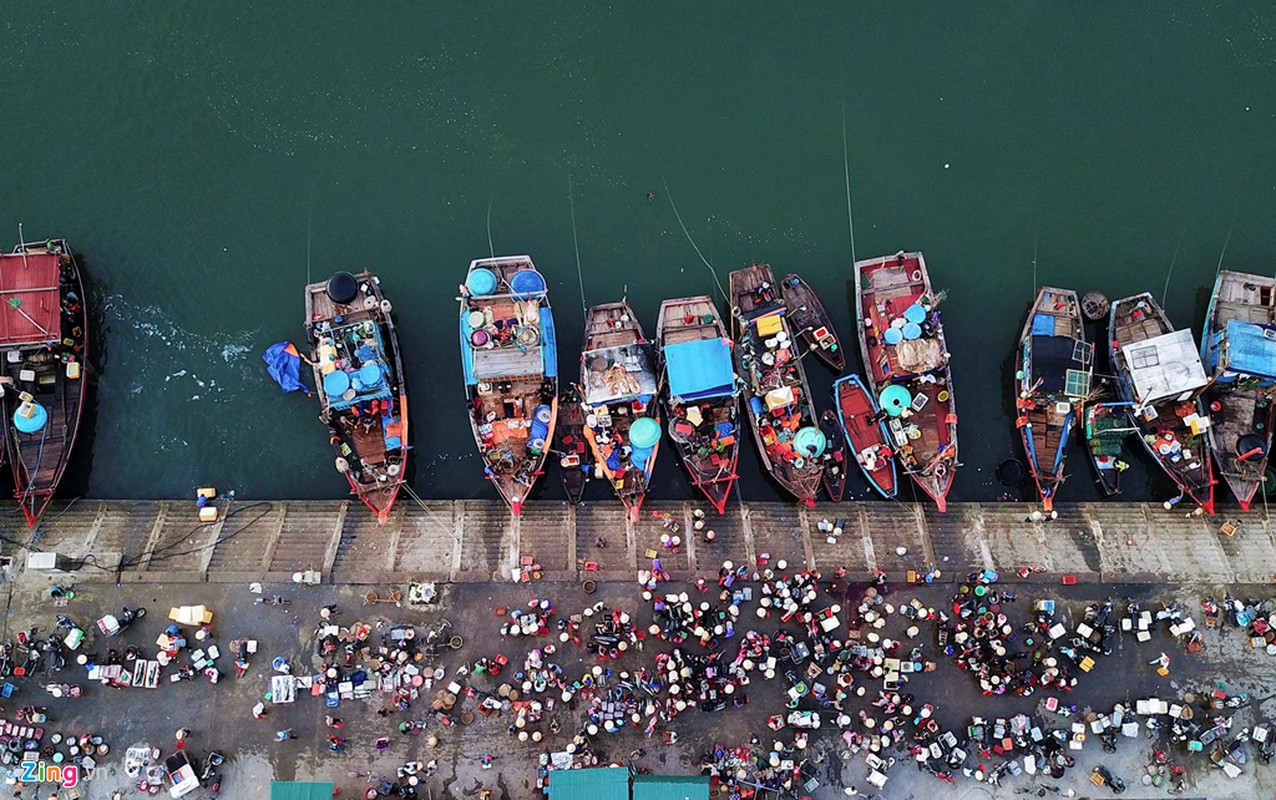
(478, 541)
(617, 368)
(753, 291)
(696, 308)
(511, 385)
(1137, 319)
(45, 293)
(1052, 348)
(1241, 297)
(709, 456)
(925, 435)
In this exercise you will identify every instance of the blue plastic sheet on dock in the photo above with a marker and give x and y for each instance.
(701, 369)
(284, 364)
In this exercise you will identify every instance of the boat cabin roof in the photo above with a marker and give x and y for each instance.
(32, 280)
(1165, 366)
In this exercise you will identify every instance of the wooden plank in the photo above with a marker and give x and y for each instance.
(90, 543)
(458, 534)
(151, 541)
(330, 557)
(805, 528)
(214, 533)
(272, 543)
(396, 531)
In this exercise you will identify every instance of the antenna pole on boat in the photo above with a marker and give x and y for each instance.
(491, 249)
(1218, 268)
(1034, 265)
(1166, 290)
(846, 169)
(687, 233)
(21, 242)
(310, 224)
(580, 276)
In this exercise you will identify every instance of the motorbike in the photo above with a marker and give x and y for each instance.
(1102, 776)
(52, 647)
(130, 615)
(1109, 740)
(211, 763)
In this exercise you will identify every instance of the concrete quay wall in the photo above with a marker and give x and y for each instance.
(478, 541)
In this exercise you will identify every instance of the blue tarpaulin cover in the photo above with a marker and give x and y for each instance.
(700, 369)
(1042, 325)
(1250, 351)
(284, 364)
(549, 343)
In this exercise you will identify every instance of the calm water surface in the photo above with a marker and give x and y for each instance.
(208, 159)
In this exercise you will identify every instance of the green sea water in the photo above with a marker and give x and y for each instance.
(207, 159)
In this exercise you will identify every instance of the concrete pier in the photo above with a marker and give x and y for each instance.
(478, 540)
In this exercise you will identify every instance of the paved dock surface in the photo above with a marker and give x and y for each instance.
(164, 557)
(479, 541)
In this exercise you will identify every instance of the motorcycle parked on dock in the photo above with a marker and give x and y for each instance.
(110, 625)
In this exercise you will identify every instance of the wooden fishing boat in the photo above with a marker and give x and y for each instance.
(1159, 371)
(575, 459)
(834, 456)
(865, 430)
(44, 335)
(358, 370)
(1107, 424)
(1238, 350)
(902, 341)
(620, 386)
(1054, 365)
(702, 394)
(808, 317)
(778, 398)
(510, 360)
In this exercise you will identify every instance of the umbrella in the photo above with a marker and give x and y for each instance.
(284, 364)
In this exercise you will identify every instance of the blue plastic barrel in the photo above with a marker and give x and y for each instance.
(480, 281)
(38, 419)
(526, 282)
(540, 423)
(336, 383)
